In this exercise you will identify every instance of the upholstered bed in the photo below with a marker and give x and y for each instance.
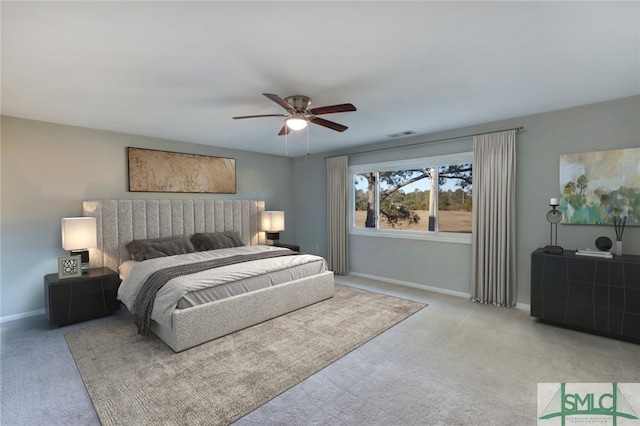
(119, 222)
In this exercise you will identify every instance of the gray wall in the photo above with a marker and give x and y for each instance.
(596, 127)
(48, 169)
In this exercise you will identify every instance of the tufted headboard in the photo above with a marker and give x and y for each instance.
(119, 222)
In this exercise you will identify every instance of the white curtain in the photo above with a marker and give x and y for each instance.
(337, 214)
(493, 249)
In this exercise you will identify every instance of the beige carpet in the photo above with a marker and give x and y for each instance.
(139, 380)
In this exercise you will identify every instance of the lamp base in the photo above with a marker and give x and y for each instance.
(272, 238)
(553, 249)
(84, 258)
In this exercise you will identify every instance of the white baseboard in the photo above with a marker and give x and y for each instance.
(8, 318)
(520, 306)
(412, 285)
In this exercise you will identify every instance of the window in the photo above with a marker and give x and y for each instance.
(427, 198)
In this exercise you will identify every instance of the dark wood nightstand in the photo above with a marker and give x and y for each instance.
(289, 246)
(71, 300)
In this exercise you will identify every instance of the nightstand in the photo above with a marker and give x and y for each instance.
(289, 246)
(71, 300)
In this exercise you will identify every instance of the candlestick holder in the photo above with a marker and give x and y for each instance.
(553, 216)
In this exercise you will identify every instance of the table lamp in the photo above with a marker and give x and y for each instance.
(78, 235)
(273, 223)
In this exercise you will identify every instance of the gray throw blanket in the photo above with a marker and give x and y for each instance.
(144, 300)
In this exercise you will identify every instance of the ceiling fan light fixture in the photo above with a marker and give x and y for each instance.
(297, 122)
(299, 115)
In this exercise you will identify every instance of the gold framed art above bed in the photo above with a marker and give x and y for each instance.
(164, 171)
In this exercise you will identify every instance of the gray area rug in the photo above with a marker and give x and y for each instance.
(139, 380)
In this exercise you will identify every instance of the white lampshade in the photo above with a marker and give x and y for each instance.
(78, 233)
(273, 221)
(296, 123)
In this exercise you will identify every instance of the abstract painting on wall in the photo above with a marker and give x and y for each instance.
(596, 186)
(162, 171)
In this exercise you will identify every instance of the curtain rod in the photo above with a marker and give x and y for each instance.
(517, 129)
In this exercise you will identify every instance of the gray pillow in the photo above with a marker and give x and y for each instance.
(159, 247)
(216, 240)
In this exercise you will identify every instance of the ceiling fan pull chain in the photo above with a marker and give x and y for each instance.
(308, 140)
(286, 143)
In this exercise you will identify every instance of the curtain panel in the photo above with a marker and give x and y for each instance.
(337, 214)
(493, 249)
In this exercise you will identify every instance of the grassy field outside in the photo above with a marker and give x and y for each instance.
(448, 221)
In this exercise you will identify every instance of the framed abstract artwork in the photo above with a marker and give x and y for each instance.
(597, 186)
(69, 267)
(164, 171)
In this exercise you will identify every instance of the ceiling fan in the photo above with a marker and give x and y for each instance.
(299, 113)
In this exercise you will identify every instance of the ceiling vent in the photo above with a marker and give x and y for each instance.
(400, 134)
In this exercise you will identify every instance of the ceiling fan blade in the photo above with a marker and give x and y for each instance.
(332, 108)
(284, 131)
(277, 99)
(329, 124)
(256, 116)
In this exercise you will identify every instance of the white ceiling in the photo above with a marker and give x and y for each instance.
(181, 70)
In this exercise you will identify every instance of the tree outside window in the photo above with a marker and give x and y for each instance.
(431, 199)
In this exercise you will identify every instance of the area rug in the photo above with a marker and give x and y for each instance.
(139, 380)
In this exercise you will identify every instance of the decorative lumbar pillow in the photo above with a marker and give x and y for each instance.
(216, 240)
(159, 247)
(167, 248)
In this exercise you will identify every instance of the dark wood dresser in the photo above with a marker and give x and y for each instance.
(592, 294)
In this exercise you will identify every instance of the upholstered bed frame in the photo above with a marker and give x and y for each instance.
(121, 221)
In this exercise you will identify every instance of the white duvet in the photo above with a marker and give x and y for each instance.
(136, 273)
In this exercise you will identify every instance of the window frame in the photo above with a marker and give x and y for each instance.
(414, 163)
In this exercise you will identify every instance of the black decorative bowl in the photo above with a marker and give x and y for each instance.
(603, 243)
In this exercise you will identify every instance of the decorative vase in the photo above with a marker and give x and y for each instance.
(619, 247)
(603, 243)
